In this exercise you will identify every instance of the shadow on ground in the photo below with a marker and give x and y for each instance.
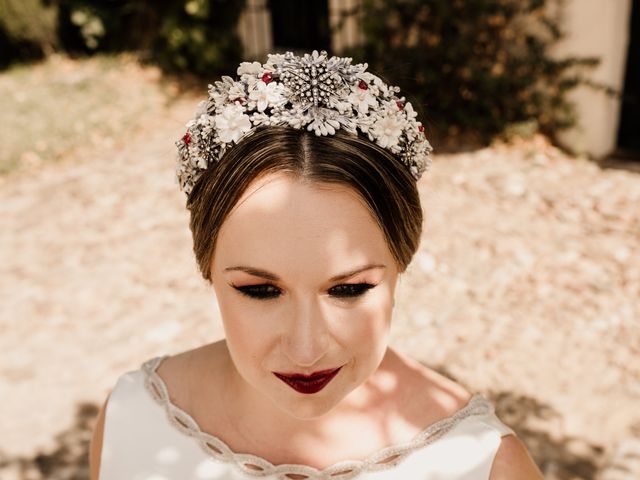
(621, 160)
(69, 460)
(566, 459)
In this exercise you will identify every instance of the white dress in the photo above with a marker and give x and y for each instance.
(146, 437)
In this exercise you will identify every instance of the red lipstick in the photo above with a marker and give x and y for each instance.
(308, 383)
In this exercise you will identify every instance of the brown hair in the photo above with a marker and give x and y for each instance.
(377, 175)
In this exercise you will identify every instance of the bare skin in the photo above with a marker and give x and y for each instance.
(305, 282)
(403, 398)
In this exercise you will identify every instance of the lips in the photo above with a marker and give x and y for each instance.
(308, 384)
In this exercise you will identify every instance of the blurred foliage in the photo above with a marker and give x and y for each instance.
(480, 67)
(185, 35)
(27, 30)
(200, 36)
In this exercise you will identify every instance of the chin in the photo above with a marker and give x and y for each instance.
(307, 408)
(310, 406)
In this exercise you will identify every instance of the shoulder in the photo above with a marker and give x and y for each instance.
(440, 397)
(183, 375)
(429, 394)
(514, 461)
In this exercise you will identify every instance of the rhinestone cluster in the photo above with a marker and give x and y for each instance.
(314, 84)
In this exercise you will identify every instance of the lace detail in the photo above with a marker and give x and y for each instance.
(253, 465)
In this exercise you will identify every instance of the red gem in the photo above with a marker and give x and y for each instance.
(267, 77)
(400, 105)
(420, 128)
(187, 138)
(363, 85)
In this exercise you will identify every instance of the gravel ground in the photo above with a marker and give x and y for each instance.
(525, 288)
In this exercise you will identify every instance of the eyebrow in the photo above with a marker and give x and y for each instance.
(258, 272)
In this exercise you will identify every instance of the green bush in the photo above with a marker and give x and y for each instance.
(27, 30)
(190, 35)
(200, 36)
(476, 67)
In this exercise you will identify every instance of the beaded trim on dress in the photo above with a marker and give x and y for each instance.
(260, 467)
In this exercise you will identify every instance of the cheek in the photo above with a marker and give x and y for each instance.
(364, 329)
(247, 334)
(253, 330)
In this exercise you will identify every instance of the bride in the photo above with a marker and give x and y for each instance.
(300, 176)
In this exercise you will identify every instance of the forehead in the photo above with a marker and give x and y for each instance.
(283, 222)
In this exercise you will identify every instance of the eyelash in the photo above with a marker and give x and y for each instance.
(267, 291)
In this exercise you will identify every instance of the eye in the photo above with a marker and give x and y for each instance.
(267, 291)
(261, 292)
(347, 290)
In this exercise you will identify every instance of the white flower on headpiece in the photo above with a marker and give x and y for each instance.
(387, 131)
(274, 59)
(232, 123)
(258, 119)
(267, 94)
(219, 92)
(237, 91)
(343, 107)
(324, 127)
(389, 107)
(202, 108)
(365, 124)
(376, 85)
(249, 68)
(206, 123)
(411, 113)
(200, 161)
(287, 118)
(323, 121)
(362, 99)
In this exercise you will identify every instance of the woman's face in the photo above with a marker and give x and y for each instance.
(305, 283)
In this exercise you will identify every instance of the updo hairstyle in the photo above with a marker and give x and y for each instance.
(381, 180)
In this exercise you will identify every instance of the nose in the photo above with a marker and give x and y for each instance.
(306, 339)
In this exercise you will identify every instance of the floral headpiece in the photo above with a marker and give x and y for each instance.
(320, 93)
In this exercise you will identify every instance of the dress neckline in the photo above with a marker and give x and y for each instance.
(256, 466)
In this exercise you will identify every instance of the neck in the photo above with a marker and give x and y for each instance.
(256, 418)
